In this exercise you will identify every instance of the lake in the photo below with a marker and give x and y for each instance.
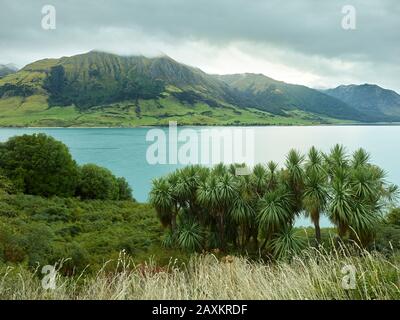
(123, 150)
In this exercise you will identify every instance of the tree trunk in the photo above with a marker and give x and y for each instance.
(222, 231)
(317, 232)
(255, 238)
(264, 244)
(315, 220)
(173, 222)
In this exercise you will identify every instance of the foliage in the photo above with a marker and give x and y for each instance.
(393, 216)
(36, 230)
(97, 87)
(97, 183)
(38, 164)
(206, 208)
(124, 190)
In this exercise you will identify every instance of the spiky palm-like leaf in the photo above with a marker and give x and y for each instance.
(363, 183)
(161, 197)
(338, 156)
(227, 189)
(315, 194)
(294, 161)
(275, 210)
(272, 175)
(242, 211)
(314, 163)
(219, 170)
(190, 236)
(360, 158)
(259, 179)
(363, 223)
(185, 184)
(287, 243)
(341, 204)
(391, 193)
(169, 239)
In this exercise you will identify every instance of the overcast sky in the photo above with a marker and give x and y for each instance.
(299, 41)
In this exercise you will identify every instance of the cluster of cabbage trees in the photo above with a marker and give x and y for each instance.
(215, 207)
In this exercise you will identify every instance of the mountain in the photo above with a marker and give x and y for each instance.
(370, 99)
(6, 69)
(102, 89)
(259, 91)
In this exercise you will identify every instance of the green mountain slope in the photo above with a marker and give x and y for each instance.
(259, 91)
(102, 89)
(370, 99)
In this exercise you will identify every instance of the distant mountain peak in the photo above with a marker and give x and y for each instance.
(6, 69)
(368, 98)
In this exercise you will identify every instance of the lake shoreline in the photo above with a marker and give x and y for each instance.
(372, 124)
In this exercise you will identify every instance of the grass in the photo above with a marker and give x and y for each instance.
(313, 275)
(33, 111)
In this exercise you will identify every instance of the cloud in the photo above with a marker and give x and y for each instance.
(298, 41)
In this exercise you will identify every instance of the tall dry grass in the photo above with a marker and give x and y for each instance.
(313, 275)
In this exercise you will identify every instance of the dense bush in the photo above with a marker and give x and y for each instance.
(393, 216)
(6, 185)
(124, 190)
(97, 183)
(388, 233)
(40, 165)
(36, 230)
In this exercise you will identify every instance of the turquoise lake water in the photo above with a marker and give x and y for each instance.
(123, 151)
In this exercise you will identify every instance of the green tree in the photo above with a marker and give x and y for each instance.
(40, 165)
(315, 196)
(97, 183)
(217, 194)
(162, 198)
(124, 190)
(358, 194)
(275, 212)
(294, 178)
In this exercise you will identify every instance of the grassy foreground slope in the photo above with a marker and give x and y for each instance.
(311, 276)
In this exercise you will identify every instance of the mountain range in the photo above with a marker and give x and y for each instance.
(103, 89)
(6, 69)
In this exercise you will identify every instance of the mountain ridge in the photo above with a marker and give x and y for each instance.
(384, 103)
(145, 86)
(6, 69)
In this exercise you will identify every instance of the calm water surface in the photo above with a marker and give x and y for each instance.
(123, 151)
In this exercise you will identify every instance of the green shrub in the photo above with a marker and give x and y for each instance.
(393, 216)
(40, 165)
(124, 190)
(97, 183)
(41, 230)
(6, 185)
